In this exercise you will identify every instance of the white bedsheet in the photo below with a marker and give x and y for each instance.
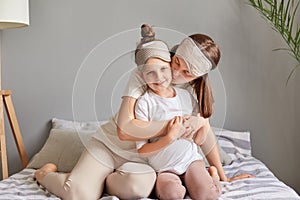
(237, 144)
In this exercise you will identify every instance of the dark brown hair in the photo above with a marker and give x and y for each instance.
(147, 34)
(202, 85)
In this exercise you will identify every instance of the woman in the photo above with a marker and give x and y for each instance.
(98, 162)
(192, 59)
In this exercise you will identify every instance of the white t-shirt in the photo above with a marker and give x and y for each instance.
(177, 156)
(107, 134)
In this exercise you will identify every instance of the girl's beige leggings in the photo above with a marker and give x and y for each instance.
(86, 181)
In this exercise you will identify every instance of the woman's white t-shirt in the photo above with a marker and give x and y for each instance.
(177, 156)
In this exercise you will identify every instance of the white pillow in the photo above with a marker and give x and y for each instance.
(233, 142)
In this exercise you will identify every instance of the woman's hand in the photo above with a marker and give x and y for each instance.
(240, 176)
(196, 128)
(201, 135)
(176, 128)
(194, 123)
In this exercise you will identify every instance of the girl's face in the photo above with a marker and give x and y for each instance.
(158, 76)
(180, 71)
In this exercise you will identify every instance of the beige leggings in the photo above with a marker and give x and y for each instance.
(87, 179)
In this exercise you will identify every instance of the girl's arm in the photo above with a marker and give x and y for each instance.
(130, 128)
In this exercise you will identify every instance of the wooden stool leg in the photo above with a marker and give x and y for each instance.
(3, 157)
(3, 142)
(15, 129)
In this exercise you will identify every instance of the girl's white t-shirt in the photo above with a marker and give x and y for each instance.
(107, 133)
(177, 156)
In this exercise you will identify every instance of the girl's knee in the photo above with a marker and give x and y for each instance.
(169, 186)
(171, 194)
(210, 196)
(170, 191)
(209, 193)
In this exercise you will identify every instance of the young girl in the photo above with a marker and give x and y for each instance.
(171, 156)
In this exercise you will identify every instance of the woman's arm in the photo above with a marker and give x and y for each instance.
(211, 151)
(213, 158)
(130, 128)
(175, 130)
(151, 148)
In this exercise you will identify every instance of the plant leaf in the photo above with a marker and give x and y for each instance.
(281, 16)
(291, 73)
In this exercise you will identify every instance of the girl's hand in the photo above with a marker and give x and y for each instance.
(176, 128)
(240, 176)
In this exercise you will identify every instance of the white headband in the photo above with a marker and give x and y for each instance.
(196, 61)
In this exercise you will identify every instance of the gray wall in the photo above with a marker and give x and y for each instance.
(44, 62)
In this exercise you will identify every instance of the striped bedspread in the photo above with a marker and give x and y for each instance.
(237, 144)
(264, 186)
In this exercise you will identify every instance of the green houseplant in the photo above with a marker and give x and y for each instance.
(281, 15)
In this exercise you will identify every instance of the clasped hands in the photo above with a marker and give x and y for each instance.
(193, 128)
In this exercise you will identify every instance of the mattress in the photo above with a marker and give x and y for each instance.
(237, 144)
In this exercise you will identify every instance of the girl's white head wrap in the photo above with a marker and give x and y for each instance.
(153, 49)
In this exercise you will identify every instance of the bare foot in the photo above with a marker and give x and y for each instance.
(212, 170)
(44, 170)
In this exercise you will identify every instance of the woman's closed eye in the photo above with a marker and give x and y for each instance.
(187, 72)
(177, 61)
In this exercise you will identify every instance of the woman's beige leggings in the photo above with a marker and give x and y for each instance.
(87, 179)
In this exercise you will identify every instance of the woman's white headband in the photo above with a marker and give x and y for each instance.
(196, 61)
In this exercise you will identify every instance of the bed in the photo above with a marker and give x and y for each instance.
(64, 134)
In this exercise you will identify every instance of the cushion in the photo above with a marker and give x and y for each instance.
(64, 145)
(234, 142)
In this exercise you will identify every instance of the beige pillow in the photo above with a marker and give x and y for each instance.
(64, 145)
(63, 148)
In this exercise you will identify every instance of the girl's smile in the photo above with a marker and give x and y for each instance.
(158, 76)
